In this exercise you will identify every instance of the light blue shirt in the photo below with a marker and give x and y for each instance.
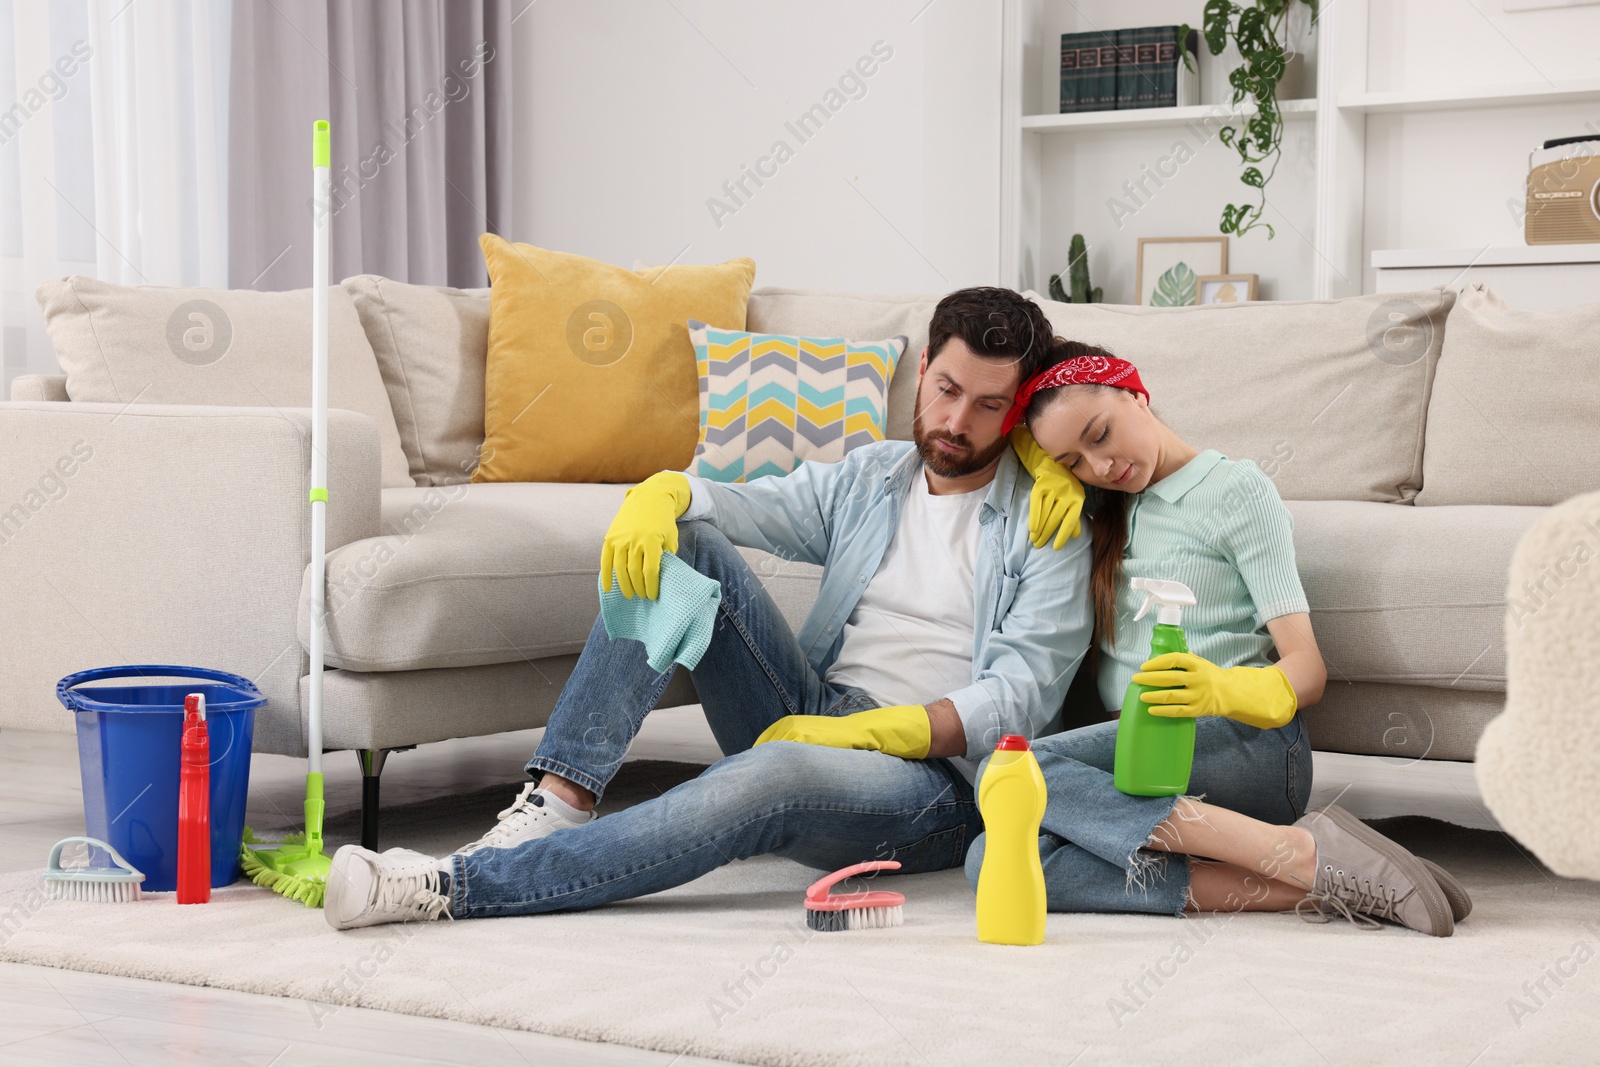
(1032, 620)
(1218, 526)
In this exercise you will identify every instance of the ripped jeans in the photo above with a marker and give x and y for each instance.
(1092, 837)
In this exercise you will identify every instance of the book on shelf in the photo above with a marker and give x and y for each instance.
(1126, 69)
(1134, 81)
(1088, 71)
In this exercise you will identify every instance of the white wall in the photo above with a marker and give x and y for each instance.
(631, 115)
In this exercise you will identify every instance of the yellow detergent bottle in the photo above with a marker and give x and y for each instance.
(1011, 896)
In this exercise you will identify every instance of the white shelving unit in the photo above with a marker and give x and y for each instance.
(1153, 116)
(1473, 97)
(1339, 110)
(1525, 276)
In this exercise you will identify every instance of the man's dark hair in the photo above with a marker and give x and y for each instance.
(996, 324)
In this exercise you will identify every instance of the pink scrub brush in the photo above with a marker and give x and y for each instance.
(853, 911)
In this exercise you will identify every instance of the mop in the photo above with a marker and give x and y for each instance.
(296, 867)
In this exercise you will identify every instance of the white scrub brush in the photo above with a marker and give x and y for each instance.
(108, 885)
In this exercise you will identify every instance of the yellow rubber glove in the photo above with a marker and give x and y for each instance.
(1057, 497)
(902, 730)
(645, 526)
(1256, 696)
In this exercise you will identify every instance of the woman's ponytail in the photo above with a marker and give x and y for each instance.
(1108, 530)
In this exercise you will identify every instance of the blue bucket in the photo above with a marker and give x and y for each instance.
(129, 739)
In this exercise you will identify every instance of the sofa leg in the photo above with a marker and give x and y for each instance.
(371, 768)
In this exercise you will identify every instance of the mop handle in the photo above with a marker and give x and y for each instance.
(321, 214)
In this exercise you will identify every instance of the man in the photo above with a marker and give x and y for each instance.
(938, 627)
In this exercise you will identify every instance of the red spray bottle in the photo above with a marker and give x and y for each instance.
(194, 805)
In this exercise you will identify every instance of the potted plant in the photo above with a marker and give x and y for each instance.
(1078, 277)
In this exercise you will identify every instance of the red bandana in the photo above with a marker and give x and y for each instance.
(1082, 370)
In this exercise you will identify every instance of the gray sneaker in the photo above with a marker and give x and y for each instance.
(1454, 891)
(1363, 875)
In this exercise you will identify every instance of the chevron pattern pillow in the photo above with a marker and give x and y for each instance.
(768, 401)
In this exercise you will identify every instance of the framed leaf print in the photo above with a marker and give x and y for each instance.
(1168, 267)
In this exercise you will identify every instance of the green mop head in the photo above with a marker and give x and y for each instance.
(295, 867)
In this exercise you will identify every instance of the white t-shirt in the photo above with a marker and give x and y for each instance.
(909, 638)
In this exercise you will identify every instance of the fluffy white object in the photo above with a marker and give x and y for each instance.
(1538, 763)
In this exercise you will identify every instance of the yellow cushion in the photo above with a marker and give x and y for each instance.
(591, 376)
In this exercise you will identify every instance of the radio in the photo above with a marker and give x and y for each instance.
(1564, 192)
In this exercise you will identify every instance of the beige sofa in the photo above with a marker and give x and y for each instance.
(459, 609)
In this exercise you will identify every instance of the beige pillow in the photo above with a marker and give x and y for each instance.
(809, 313)
(1515, 413)
(431, 342)
(1327, 396)
(155, 344)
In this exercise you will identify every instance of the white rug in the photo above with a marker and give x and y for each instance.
(726, 968)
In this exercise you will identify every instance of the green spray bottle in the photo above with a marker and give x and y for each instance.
(1155, 752)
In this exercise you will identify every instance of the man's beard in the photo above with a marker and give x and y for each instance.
(950, 464)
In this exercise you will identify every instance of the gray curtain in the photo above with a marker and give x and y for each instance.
(419, 95)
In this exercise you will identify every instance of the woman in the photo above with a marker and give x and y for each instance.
(1162, 508)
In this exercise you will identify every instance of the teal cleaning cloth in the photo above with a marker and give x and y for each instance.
(676, 627)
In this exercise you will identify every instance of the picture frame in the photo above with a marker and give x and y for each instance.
(1167, 267)
(1224, 288)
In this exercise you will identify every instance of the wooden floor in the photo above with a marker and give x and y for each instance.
(49, 1016)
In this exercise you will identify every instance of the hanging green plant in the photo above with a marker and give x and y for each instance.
(1258, 30)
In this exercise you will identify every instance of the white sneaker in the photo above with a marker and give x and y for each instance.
(533, 814)
(366, 888)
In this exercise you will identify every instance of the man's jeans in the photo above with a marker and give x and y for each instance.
(823, 807)
(1092, 837)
